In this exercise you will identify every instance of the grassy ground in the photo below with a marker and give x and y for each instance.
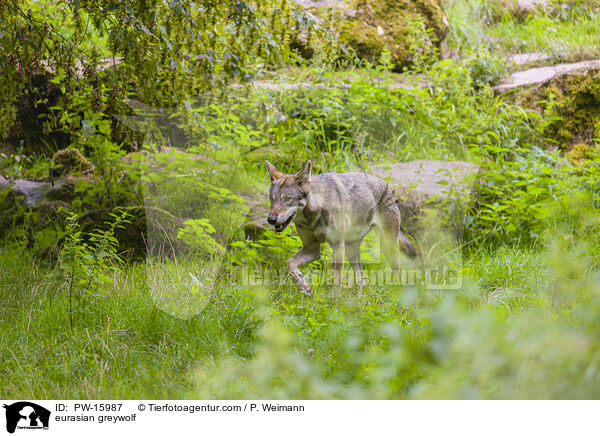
(387, 342)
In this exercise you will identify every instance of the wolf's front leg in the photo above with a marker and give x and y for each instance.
(306, 254)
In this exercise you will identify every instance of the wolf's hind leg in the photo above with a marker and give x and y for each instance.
(305, 255)
(392, 238)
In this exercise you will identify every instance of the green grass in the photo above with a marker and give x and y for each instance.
(120, 344)
(565, 40)
(271, 342)
(570, 39)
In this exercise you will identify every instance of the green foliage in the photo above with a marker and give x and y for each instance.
(485, 68)
(521, 199)
(120, 346)
(197, 234)
(582, 154)
(572, 107)
(548, 349)
(85, 266)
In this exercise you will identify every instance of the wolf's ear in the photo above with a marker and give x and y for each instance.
(274, 173)
(303, 175)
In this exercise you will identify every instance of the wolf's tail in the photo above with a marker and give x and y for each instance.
(406, 245)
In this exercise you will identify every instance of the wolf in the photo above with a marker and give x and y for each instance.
(339, 209)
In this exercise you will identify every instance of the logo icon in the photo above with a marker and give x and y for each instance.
(26, 415)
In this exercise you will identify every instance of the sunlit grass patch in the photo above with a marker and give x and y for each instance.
(566, 35)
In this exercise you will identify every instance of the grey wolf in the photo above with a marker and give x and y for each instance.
(337, 208)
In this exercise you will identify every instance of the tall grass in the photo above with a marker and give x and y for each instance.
(121, 345)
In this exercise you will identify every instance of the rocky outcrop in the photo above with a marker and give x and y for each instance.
(539, 76)
(44, 199)
(20, 197)
(570, 93)
(527, 58)
(433, 185)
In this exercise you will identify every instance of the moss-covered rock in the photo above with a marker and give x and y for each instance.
(11, 212)
(402, 27)
(69, 160)
(369, 27)
(581, 153)
(574, 100)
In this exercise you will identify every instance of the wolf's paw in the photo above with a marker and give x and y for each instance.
(360, 284)
(305, 289)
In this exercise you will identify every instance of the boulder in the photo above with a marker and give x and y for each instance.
(431, 185)
(428, 178)
(30, 194)
(45, 198)
(42, 198)
(372, 26)
(432, 197)
(527, 58)
(69, 160)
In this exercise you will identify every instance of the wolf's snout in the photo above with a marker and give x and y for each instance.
(272, 220)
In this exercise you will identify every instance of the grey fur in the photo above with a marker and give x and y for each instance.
(337, 208)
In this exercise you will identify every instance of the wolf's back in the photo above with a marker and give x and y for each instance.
(359, 188)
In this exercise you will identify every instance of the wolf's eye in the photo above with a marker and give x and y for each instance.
(286, 198)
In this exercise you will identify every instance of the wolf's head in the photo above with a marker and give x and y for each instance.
(287, 195)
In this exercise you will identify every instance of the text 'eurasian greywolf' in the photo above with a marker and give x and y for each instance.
(339, 209)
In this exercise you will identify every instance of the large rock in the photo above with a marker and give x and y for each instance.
(20, 196)
(428, 178)
(30, 194)
(371, 26)
(527, 58)
(46, 198)
(433, 185)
